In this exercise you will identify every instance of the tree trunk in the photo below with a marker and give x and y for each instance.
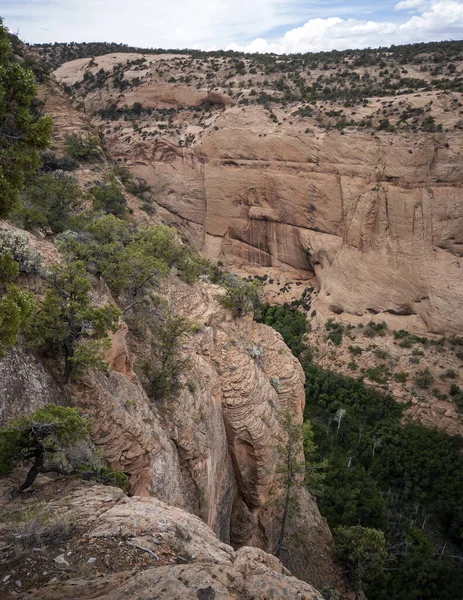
(68, 354)
(288, 485)
(31, 476)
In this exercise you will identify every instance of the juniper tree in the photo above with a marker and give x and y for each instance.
(23, 132)
(290, 469)
(40, 437)
(16, 308)
(68, 324)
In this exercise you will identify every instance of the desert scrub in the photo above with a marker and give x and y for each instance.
(336, 331)
(401, 377)
(82, 147)
(275, 383)
(355, 350)
(424, 378)
(16, 245)
(379, 374)
(256, 352)
(373, 329)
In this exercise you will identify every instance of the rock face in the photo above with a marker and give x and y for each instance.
(369, 216)
(25, 385)
(185, 560)
(376, 216)
(212, 449)
(242, 441)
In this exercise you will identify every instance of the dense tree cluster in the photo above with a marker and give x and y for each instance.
(391, 491)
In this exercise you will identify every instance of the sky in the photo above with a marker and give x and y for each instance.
(281, 26)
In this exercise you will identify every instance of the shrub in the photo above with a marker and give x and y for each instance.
(379, 374)
(275, 383)
(355, 350)
(104, 475)
(109, 198)
(401, 377)
(241, 296)
(50, 200)
(424, 378)
(289, 322)
(16, 308)
(372, 329)
(82, 147)
(68, 325)
(23, 131)
(255, 352)
(16, 245)
(9, 269)
(362, 550)
(163, 371)
(336, 331)
(51, 162)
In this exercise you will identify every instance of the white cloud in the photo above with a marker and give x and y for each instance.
(150, 23)
(248, 25)
(436, 21)
(410, 4)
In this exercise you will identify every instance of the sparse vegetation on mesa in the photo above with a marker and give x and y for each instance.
(371, 90)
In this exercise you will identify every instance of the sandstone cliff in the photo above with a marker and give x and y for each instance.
(211, 450)
(375, 216)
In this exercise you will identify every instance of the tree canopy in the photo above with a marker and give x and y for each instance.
(23, 131)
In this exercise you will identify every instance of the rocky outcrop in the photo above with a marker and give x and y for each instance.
(25, 385)
(213, 448)
(172, 554)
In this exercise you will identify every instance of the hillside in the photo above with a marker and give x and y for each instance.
(336, 173)
(230, 323)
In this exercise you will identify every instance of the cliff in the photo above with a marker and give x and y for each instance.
(374, 216)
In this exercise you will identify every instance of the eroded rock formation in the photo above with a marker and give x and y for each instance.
(164, 552)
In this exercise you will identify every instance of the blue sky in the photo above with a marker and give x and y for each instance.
(251, 25)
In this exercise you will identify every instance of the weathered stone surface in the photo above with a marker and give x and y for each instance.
(25, 385)
(218, 572)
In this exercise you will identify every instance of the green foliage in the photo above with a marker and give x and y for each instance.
(401, 377)
(9, 269)
(355, 350)
(336, 331)
(423, 466)
(424, 378)
(50, 201)
(314, 467)
(418, 574)
(363, 552)
(23, 131)
(82, 147)
(16, 308)
(109, 198)
(67, 324)
(163, 371)
(47, 430)
(291, 323)
(379, 374)
(16, 246)
(408, 339)
(290, 469)
(51, 162)
(241, 296)
(105, 475)
(372, 329)
(456, 394)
